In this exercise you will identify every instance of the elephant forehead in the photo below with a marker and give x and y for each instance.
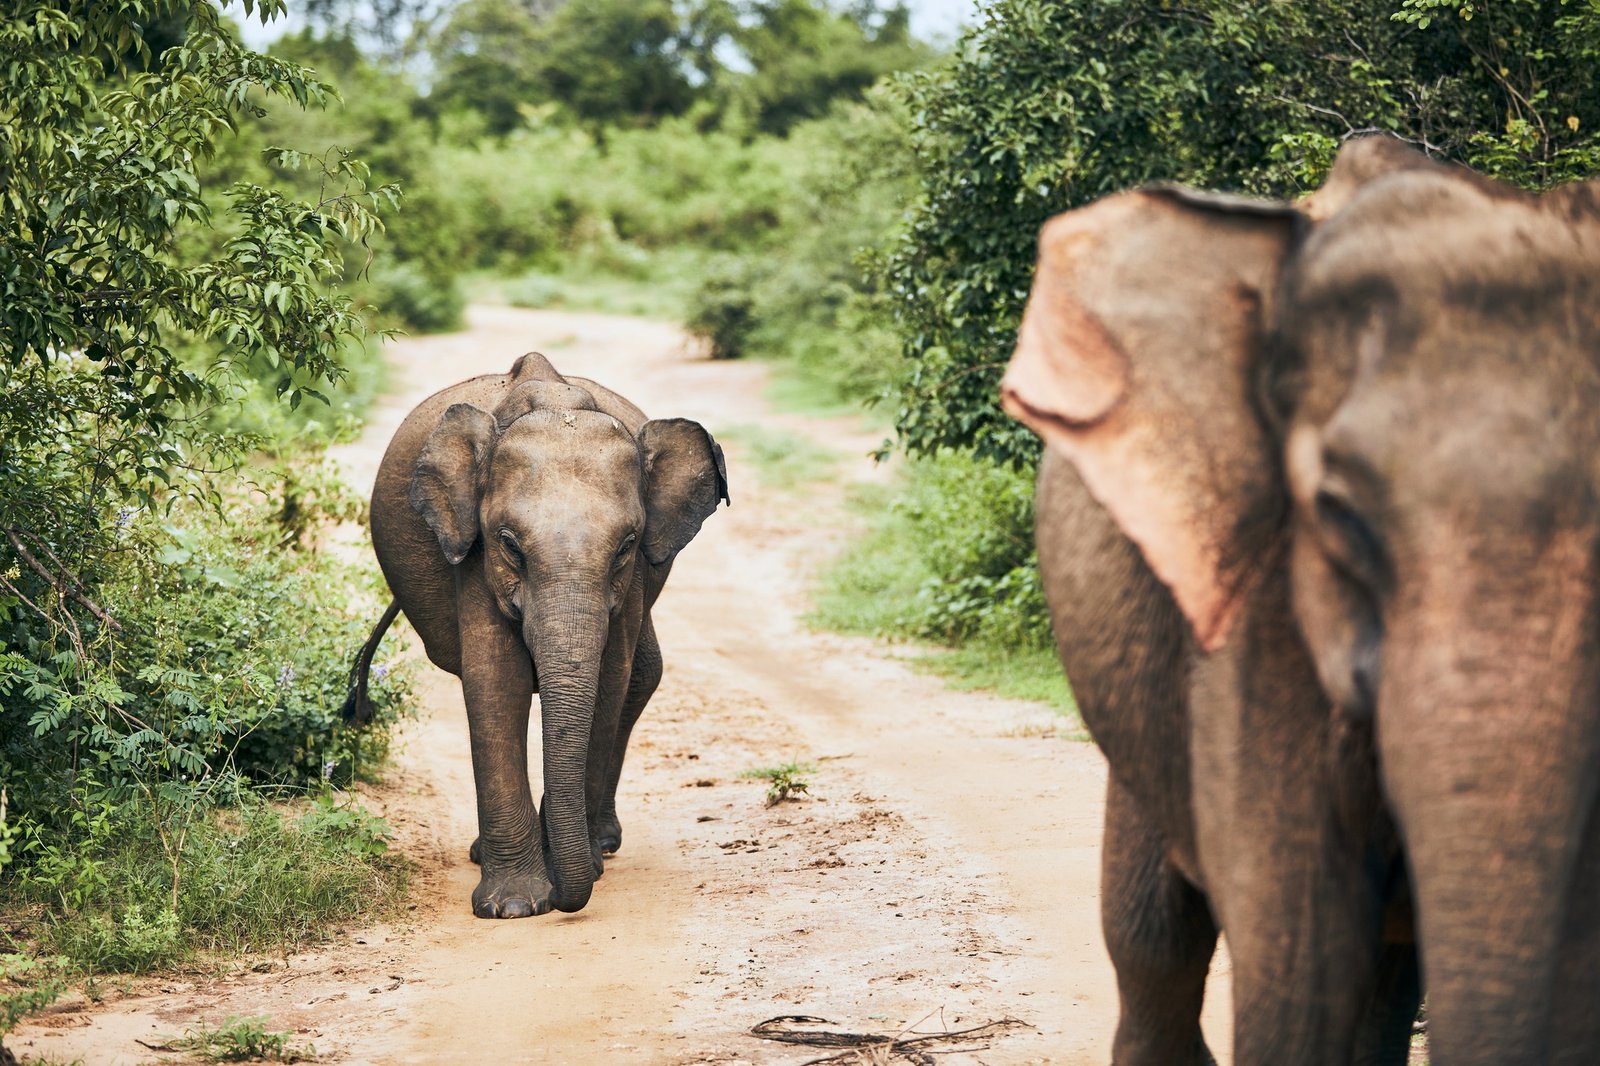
(573, 441)
(1446, 243)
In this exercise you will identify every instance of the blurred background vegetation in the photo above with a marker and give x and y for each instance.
(201, 243)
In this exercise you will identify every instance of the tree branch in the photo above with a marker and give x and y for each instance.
(58, 583)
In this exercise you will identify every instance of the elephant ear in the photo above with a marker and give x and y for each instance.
(1136, 358)
(444, 486)
(685, 476)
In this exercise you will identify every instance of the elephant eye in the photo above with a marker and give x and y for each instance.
(510, 545)
(1351, 542)
(625, 547)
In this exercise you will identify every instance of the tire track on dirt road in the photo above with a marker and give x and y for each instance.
(943, 871)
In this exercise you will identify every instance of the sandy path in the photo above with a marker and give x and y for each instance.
(942, 874)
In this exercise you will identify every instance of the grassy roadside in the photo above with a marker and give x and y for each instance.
(893, 581)
(888, 583)
(214, 814)
(658, 284)
(784, 461)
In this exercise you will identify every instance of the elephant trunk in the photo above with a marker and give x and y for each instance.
(567, 635)
(1488, 739)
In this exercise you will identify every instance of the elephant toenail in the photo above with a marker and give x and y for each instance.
(516, 908)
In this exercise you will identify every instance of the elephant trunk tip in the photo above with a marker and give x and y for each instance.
(570, 902)
(571, 884)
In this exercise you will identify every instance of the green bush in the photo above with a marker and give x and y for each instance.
(721, 310)
(403, 292)
(26, 985)
(949, 557)
(253, 879)
(550, 194)
(231, 659)
(818, 300)
(133, 771)
(231, 622)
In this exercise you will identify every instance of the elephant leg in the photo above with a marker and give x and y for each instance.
(1384, 1038)
(1160, 934)
(642, 682)
(1576, 1021)
(497, 683)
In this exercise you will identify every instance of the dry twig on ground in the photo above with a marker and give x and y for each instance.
(917, 1049)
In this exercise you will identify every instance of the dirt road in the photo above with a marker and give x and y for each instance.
(942, 873)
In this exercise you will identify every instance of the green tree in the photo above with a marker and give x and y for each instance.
(1533, 78)
(410, 274)
(804, 54)
(387, 28)
(1051, 103)
(484, 62)
(134, 319)
(98, 403)
(615, 61)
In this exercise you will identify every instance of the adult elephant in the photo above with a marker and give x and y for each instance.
(1319, 523)
(526, 523)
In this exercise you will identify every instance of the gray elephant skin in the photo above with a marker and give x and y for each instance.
(526, 523)
(1319, 524)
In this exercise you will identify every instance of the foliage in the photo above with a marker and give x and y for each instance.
(26, 985)
(949, 558)
(755, 67)
(816, 290)
(1052, 103)
(721, 310)
(387, 28)
(1534, 72)
(810, 291)
(614, 61)
(783, 782)
(225, 679)
(403, 289)
(576, 203)
(171, 645)
(102, 180)
(408, 271)
(481, 59)
(782, 460)
(240, 1039)
(805, 57)
(254, 880)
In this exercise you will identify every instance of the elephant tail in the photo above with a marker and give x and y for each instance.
(357, 708)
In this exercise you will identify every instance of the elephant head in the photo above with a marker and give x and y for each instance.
(1390, 392)
(560, 504)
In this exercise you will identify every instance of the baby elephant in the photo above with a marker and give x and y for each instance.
(526, 523)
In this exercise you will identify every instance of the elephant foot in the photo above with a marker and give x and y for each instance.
(511, 894)
(607, 834)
